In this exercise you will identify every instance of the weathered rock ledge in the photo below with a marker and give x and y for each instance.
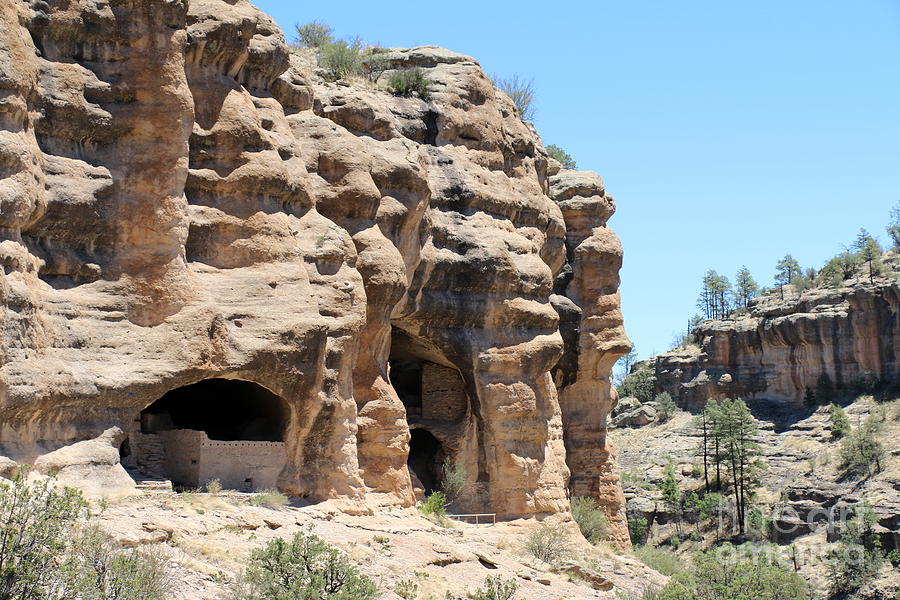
(779, 348)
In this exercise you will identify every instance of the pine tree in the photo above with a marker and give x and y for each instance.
(715, 295)
(839, 423)
(786, 271)
(745, 287)
(738, 432)
(870, 255)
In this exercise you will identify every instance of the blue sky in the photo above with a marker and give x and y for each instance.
(729, 133)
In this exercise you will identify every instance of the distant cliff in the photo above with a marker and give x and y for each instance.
(778, 349)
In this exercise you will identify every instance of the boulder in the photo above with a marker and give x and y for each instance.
(91, 466)
(8, 467)
(638, 417)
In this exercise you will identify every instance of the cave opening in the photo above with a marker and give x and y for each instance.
(425, 459)
(224, 409)
(223, 430)
(406, 377)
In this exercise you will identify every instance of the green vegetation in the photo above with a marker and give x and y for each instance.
(496, 588)
(637, 530)
(839, 423)
(521, 92)
(314, 34)
(305, 568)
(723, 574)
(640, 383)
(35, 523)
(561, 156)
(409, 82)
(671, 495)
(786, 272)
(590, 518)
(341, 59)
(862, 450)
(728, 436)
(48, 552)
(745, 288)
(715, 295)
(453, 479)
(548, 544)
(665, 406)
(665, 561)
(435, 505)
(858, 556)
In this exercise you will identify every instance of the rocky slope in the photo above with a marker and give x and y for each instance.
(779, 348)
(184, 200)
(803, 483)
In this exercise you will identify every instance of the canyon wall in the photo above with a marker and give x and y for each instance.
(779, 348)
(185, 199)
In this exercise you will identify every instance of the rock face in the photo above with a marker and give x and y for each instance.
(779, 349)
(183, 202)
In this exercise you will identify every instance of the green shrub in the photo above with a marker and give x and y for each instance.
(839, 423)
(35, 524)
(697, 471)
(665, 406)
(373, 63)
(434, 505)
(866, 382)
(407, 589)
(548, 544)
(561, 156)
(521, 92)
(314, 34)
(453, 479)
(341, 59)
(640, 383)
(305, 567)
(894, 557)
(96, 569)
(858, 556)
(269, 499)
(637, 530)
(590, 518)
(409, 82)
(496, 588)
(665, 561)
(862, 450)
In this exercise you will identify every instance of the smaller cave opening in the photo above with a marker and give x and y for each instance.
(425, 459)
(225, 409)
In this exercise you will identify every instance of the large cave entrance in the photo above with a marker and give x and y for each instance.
(216, 429)
(437, 410)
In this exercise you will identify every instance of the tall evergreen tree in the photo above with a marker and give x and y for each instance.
(715, 295)
(893, 228)
(738, 432)
(745, 287)
(786, 271)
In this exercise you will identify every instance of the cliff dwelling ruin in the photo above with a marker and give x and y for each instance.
(215, 429)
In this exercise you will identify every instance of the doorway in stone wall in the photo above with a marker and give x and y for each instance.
(426, 459)
(437, 409)
(227, 430)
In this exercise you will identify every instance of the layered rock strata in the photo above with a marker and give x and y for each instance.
(183, 201)
(780, 348)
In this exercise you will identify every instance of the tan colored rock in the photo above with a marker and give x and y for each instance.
(92, 466)
(587, 300)
(188, 202)
(780, 347)
(8, 468)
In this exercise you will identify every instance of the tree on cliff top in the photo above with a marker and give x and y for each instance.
(745, 287)
(561, 156)
(786, 271)
(715, 295)
(894, 228)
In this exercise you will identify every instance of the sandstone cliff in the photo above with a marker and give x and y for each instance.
(183, 200)
(779, 348)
